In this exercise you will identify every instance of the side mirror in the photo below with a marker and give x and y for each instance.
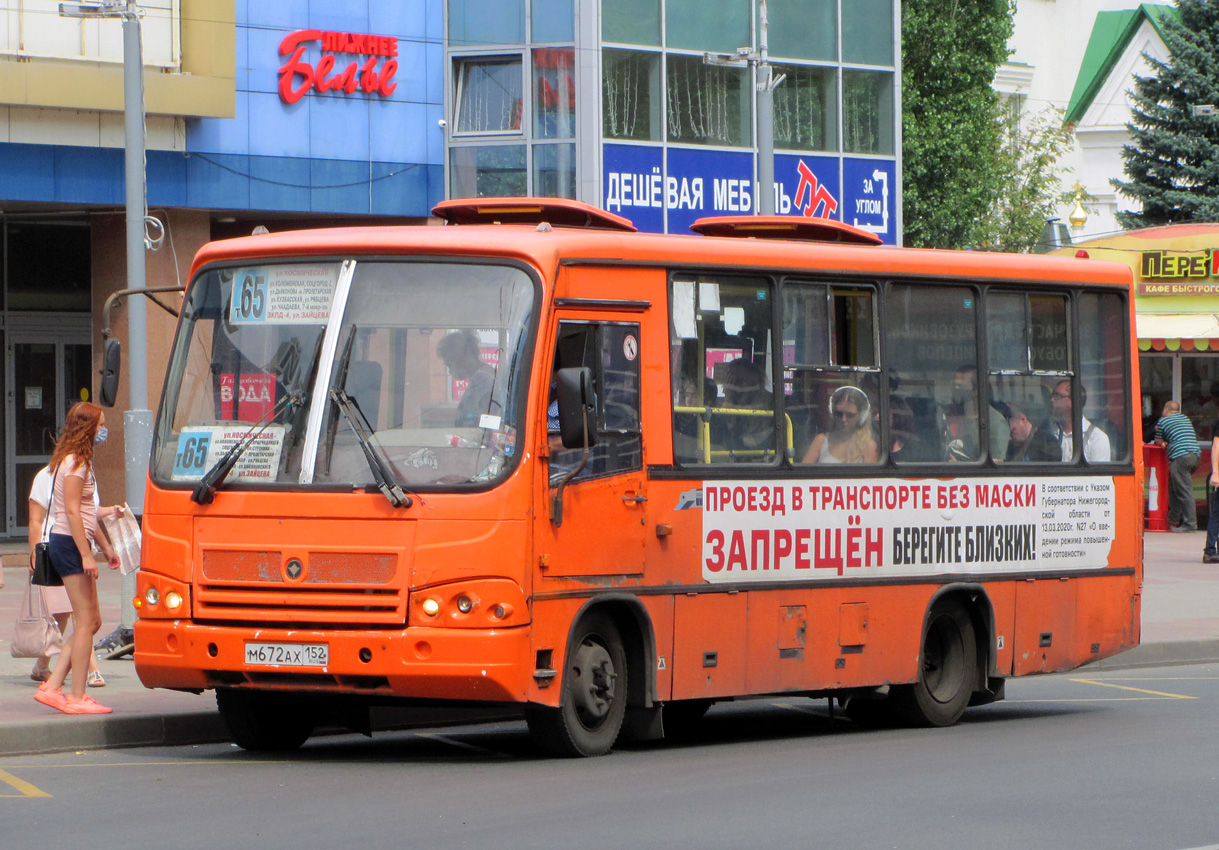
(112, 356)
(576, 400)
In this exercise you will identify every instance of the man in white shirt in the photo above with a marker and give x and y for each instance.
(1096, 441)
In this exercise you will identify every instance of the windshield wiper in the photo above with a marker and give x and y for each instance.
(363, 431)
(205, 491)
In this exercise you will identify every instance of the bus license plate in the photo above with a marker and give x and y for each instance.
(288, 654)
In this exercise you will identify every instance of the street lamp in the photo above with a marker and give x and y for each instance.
(137, 421)
(763, 97)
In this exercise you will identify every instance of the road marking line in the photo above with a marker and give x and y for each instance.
(26, 789)
(460, 744)
(1086, 699)
(1127, 688)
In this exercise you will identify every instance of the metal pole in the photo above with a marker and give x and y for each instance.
(766, 123)
(137, 421)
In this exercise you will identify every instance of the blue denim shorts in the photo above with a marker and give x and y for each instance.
(65, 557)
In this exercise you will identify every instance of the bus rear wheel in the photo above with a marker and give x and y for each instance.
(266, 722)
(947, 673)
(592, 704)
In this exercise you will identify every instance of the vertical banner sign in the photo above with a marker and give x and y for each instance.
(884, 527)
(868, 192)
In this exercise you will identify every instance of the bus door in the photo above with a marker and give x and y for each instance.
(599, 529)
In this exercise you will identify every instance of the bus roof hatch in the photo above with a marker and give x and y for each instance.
(558, 212)
(784, 227)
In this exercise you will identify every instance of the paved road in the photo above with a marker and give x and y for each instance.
(1180, 625)
(1092, 761)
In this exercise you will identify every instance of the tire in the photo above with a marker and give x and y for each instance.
(947, 670)
(592, 703)
(265, 722)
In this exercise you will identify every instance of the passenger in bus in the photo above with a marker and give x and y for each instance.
(962, 418)
(744, 389)
(687, 426)
(1095, 441)
(907, 446)
(1028, 443)
(849, 439)
(460, 353)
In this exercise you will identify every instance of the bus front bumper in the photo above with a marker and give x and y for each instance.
(422, 663)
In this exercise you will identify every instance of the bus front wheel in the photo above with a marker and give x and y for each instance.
(947, 670)
(593, 699)
(265, 721)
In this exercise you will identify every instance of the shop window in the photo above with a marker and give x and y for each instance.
(716, 25)
(803, 29)
(867, 32)
(931, 348)
(723, 383)
(1199, 391)
(554, 171)
(488, 99)
(1104, 372)
(479, 22)
(49, 267)
(805, 108)
(551, 20)
(830, 378)
(630, 95)
(867, 112)
(707, 104)
(488, 171)
(554, 93)
(631, 22)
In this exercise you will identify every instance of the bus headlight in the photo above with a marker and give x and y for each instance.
(486, 603)
(152, 596)
(161, 596)
(173, 600)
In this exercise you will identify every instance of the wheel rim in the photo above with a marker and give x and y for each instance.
(593, 677)
(943, 659)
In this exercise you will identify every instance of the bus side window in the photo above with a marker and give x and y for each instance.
(931, 344)
(721, 333)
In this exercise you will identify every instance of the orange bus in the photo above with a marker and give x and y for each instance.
(534, 457)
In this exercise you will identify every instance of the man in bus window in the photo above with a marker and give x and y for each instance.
(1028, 443)
(460, 353)
(962, 416)
(744, 387)
(1096, 441)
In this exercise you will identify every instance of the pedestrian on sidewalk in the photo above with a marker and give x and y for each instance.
(1210, 555)
(55, 599)
(71, 549)
(1176, 434)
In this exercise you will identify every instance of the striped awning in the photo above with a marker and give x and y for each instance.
(1177, 331)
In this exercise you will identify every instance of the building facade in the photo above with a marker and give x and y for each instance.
(618, 104)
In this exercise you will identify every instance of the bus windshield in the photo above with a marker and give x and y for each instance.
(423, 362)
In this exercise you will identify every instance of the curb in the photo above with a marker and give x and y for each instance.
(1161, 653)
(180, 729)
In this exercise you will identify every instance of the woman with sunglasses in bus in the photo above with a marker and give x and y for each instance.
(71, 549)
(850, 438)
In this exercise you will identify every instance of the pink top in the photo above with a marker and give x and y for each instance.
(70, 468)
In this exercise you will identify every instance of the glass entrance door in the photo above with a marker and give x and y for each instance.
(46, 375)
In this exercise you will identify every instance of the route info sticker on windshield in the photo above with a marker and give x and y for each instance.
(200, 447)
(283, 295)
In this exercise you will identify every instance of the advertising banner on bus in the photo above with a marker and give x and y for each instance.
(775, 531)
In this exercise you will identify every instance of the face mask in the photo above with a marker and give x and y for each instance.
(102, 434)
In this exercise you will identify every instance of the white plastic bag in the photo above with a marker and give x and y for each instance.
(124, 534)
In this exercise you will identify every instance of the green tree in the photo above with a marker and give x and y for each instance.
(952, 147)
(1029, 161)
(1172, 161)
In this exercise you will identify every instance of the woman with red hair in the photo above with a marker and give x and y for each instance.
(71, 549)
